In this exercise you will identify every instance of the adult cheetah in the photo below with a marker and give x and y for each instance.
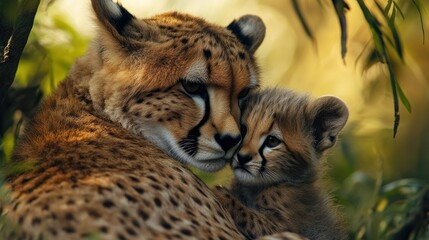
(108, 149)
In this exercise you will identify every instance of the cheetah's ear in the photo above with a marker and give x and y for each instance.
(250, 30)
(328, 115)
(119, 23)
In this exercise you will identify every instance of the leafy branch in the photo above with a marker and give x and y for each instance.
(382, 40)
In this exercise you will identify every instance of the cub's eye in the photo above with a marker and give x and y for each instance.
(192, 88)
(272, 141)
(244, 93)
(243, 130)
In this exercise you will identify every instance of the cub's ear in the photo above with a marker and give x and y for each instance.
(119, 23)
(250, 30)
(328, 116)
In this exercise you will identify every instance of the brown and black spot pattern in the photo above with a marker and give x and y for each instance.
(91, 176)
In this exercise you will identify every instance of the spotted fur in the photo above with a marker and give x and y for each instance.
(108, 149)
(277, 185)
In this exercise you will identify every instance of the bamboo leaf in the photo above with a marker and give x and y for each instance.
(391, 24)
(301, 18)
(375, 30)
(393, 84)
(340, 8)
(382, 51)
(395, 35)
(403, 98)
(389, 40)
(418, 7)
(387, 8)
(399, 10)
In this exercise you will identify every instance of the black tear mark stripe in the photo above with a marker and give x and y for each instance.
(190, 143)
(264, 160)
(261, 151)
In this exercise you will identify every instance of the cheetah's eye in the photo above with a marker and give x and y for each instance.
(244, 93)
(192, 88)
(272, 141)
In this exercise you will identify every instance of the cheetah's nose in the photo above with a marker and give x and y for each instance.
(243, 158)
(226, 141)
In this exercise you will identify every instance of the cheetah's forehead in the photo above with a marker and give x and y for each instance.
(197, 72)
(212, 54)
(195, 32)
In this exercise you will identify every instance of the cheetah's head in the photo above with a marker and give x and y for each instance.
(174, 79)
(287, 135)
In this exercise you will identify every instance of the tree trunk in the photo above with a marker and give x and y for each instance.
(16, 21)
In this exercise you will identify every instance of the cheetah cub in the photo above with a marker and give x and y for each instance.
(277, 185)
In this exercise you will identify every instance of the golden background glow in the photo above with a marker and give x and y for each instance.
(366, 157)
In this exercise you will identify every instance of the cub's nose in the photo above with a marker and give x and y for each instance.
(227, 141)
(243, 158)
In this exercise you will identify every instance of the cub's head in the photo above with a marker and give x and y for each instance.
(285, 135)
(174, 79)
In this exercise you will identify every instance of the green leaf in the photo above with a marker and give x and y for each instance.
(389, 40)
(375, 30)
(387, 8)
(340, 8)
(301, 18)
(393, 84)
(419, 8)
(399, 10)
(381, 50)
(391, 24)
(403, 98)
(398, 44)
(403, 186)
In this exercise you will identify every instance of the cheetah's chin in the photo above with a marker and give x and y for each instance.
(210, 165)
(244, 176)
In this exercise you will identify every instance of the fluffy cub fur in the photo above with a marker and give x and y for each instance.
(277, 185)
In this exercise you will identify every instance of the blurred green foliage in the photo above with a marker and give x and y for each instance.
(383, 190)
(52, 48)
(396, 210)
(386, 44)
